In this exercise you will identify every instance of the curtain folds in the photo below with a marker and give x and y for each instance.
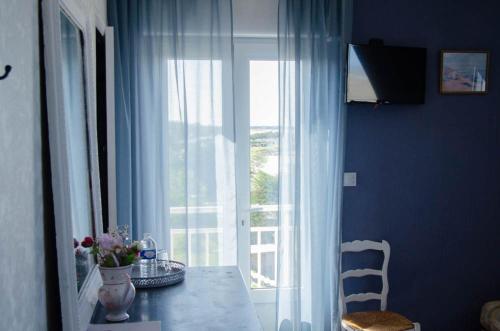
(175, 140)
(175, 126)
(311, 43)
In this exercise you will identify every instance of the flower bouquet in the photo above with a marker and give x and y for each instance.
(112, 251)
(116, 257)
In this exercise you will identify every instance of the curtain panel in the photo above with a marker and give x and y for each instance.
(311, 45)
(175, 125)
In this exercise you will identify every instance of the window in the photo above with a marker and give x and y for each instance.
(196, 135)
(194, 202)
(200, 234)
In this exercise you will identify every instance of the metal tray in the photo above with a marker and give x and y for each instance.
(162, 273)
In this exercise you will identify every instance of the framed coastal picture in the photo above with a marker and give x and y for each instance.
(464, 72)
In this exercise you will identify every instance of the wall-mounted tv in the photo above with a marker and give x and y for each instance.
(385, 74)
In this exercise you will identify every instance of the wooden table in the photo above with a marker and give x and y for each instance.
(210, 298)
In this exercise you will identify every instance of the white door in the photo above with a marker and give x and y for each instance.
(257, 133)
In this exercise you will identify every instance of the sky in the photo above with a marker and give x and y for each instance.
(264, 96)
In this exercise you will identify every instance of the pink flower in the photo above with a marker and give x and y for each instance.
(108, 242)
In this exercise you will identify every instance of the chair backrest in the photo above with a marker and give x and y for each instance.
(360, 246)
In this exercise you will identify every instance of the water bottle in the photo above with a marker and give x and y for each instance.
(148, 252)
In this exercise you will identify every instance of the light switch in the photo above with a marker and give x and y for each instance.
(349, 179)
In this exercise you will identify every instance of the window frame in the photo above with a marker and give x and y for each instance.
(247, 49)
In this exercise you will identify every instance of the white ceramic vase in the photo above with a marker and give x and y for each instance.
(117, 292)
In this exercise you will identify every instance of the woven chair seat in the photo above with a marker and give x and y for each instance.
(490, 316)
(377, 321)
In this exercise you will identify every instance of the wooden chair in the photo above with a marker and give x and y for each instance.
(371, 320)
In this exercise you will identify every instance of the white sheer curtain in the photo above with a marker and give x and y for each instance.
(311, 38)
(175, 126)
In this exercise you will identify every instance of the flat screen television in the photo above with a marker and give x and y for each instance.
(385, 74)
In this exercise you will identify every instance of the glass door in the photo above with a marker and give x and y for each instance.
(263, 170)
(257, 162)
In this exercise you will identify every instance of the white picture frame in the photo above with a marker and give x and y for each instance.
(76, 306)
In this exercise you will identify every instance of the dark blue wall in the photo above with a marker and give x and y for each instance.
(429, 175)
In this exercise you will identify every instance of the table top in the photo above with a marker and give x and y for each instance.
(210, 298)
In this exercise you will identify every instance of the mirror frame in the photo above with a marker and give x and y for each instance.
(76, 307)
(108, 33)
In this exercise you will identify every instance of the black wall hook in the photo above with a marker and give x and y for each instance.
(7, 71)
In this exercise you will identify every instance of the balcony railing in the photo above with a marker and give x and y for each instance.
(263, 247)
(260, 278)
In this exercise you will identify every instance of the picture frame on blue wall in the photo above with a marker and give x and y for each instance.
(464, 72)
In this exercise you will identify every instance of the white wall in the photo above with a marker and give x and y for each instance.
(22, 270)
(100, 9)
(255, 17)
